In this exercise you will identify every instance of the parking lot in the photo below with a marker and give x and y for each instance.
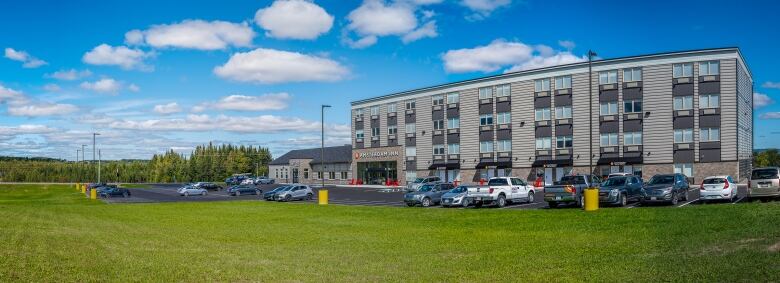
(342, 195)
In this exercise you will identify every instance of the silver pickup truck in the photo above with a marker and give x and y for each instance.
(569, 189)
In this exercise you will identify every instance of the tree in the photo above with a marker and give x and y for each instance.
(769, 157)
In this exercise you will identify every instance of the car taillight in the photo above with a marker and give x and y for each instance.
(490, 190)
(727, 185)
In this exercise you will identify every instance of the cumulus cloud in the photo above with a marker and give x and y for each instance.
(761, 100)
(771, 84)
(426, 30)
(567, 44)
(203, 123)
(24, 57)
(483, 8)
(166, 109)
(70, 75)
(269, 66)
(194, 34)
(106, 85)
(294, 19)
(8, 132)
(42, 109)
(271, 101)
(500, 53)
(7, 94)
(375, 18)
(125, 58)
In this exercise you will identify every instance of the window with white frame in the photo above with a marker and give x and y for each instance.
(485, 119)
(437, 100)
(682, 70)
(391, 108)
(683, 135)
(632, 74)
(683, 102)
(392, 130)
(709, 68)
(410, 104)
(563, 82)
(684, 168)
(542, 85)
(504, 145)
(502, 90)
(332, 175)
(486, 147)
(486, 92)
(453, 97)
(375, 132)
(453, 148)
(453, 123)
(374, 110)
(632, 106)
(411, 151)
(411, 128)
(609, 108)
(632, 138)
(503, 118)
(542, 114)
(609, 139)
(563, 142)
(709, 101)
(544, 143)
(709, 134)
(358, 113)
(438, 149)
(608, 77)
(343, 175)
(358, 134)
(438, 124)
(562, 112)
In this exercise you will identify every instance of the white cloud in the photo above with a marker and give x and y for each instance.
(771, 84)
(567, 44)
(375, 18)
(500, 53)
(106, 85)
(761, 100)
(426, 30)
(70, 75)
(271, 101)
(204, 123)
(538, 61)
(41, 109)
(24, 57)
(361, 43)
(126, 58)
(52, 87)
(294, 19)
(194, 34)
(770, 115)
(483, 8)
(7, 94)
(166, 109)
(270, 66)
(133, 88)
(7, 132)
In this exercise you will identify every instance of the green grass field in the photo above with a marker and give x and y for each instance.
(52, 233)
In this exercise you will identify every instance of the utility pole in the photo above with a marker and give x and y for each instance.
(590, 110)
(83, 148)
(93, 152)
(322, 145)
(99, 158)
(78, 168)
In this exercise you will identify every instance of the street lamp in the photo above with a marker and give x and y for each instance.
(591, 54)
(322, 145)
(93, 152)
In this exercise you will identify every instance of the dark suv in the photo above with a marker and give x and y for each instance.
(427, 195)
(620, 190)
(668, 188)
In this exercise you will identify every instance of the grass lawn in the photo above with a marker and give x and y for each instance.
(52, 233)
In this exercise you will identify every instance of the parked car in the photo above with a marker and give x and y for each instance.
(238, 190)
(620, 190)
(192, 191)
(500, 191)
(296, 192)
(263, 180)
(427, 195)
(764, 182)
(620, 174)
(668, 188)
(718, 188)
(248, 182)
(272, 193)
(113, 191)
(455, 197)
(208, 186)
(569, 189)
(419, 182)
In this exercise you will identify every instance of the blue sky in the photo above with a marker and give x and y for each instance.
(157, 75)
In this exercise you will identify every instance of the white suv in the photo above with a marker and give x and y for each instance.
(500, 191)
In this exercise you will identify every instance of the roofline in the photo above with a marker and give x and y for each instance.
(552, 68)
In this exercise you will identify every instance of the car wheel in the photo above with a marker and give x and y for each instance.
(465, 202)
(288, 198)
(125, 194)
(237, 193)
(186, 194)
(685, 195)
(426, 202)
(309, 196)
(258, 192)
(623, 200)
(501, 201)
(552, 204)
(530, 197)
(675, 199)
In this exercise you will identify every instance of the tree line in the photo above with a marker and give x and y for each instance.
(210, 162)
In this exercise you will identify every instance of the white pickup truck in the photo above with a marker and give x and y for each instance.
(501, 190)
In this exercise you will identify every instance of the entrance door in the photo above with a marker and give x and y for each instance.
(548, 176)
(295, 175)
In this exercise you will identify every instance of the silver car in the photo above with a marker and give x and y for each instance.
(192, 191)
(419, 182)
(764, 182)
(455, 197)
(295, 192)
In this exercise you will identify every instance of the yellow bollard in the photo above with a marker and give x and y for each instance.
(591, 199)
(323, 197)
(83, 188)
(92, 193)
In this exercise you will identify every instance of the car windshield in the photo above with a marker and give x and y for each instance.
(764, 174)
(714, 181)
(461, 189)
(498, 182)
(425, 188)
(418, 180)
(661, 180)
(286, 189)
(279, 189)
(615, 181)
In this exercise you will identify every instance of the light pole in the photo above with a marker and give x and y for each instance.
(590, 110)
(78, 168)
(322, 145)
(93, 151)
(99, 158)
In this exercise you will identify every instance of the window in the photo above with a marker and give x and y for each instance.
(608, 77)
(562, 112)
(411, 128)
(306, 173)
(684, 168)
(331, 175)
(358, 113)
(411, 176)
(410, 104)
(438, 149)
(375, 132)
(683, 102)
(502, 90)
(392, 130)
(632, 106)
(543, 143)
(486, 92)
(563, 142)
(485, 119)
(391, 108)
(710, 68)
(437, 100)
(453, 148)
(358, 134)
(453, 97)
(453, 123)
(542, 85)
(504, 145)
(563, 82)
(609, 108)
(683, 135)
(609, 139)
(438, 124)
(343, 175)
(709, 134)
(542, 114)
(633, 138)
(632, 75)
(682, 70)
(411, 151)
(709, 101)
(374, 110)
(503, 118)
(486, 147)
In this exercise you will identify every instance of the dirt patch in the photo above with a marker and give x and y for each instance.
(774, 248)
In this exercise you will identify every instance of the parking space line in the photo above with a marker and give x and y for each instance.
(687, 203)
(738, 200)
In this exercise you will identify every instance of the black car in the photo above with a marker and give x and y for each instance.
(208, 186)
(112, 191)
(669, 188)
(270, 194)
(244, 189)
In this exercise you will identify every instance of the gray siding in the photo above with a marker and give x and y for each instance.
(657, 128)
(523, 141)
(744, 123)
(580, 119)
(424, 141)
(728, 109)
(469, 127)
